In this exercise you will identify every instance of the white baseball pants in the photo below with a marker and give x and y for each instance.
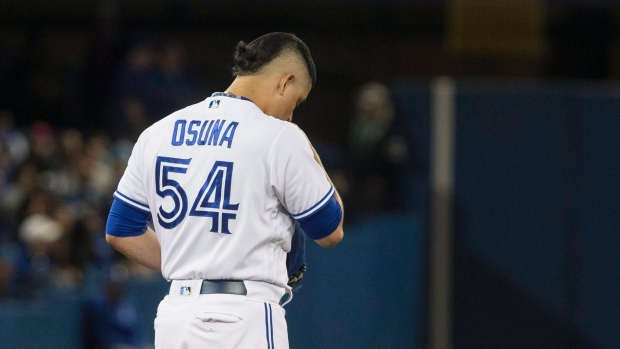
(221, 321)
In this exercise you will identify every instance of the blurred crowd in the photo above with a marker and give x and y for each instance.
(56, 189)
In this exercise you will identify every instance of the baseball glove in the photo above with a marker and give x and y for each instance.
(297, 276)
(296, 258)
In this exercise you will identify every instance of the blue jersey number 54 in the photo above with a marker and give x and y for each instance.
(213, 199)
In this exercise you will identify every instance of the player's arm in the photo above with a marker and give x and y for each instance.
(337, 235)
(324, 225)
(127, 226)
(304, 188)
(128, 232)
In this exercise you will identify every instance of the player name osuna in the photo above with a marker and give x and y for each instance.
(204, 132)
(220, 196)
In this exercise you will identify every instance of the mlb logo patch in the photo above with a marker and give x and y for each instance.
(214, 104)
(185, 291)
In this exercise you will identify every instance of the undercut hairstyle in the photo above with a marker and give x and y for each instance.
(250, 58)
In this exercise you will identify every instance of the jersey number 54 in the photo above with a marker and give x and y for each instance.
(213, 199)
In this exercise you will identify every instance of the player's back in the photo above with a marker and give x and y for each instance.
(207, 178)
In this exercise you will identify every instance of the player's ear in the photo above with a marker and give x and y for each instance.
(285, 81)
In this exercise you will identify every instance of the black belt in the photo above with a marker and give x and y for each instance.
(223, 287)
(228, 287)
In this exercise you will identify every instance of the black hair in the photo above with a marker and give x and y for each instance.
(250, 58)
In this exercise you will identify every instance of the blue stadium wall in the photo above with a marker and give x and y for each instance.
(537, 211)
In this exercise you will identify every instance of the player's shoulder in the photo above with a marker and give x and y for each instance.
(288, 131)
(275, 124)
(267, 125)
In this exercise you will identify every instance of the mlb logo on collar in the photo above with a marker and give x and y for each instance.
(214, 104)
(185, 291)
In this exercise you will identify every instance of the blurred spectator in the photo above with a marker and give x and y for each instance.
(43, 146)
(153, 83)
(13, 143)
(38, 234)
(89, 248)
(25, 183)
(111, 322)
(62, 180)
(101, 175)
(378, 154)
(174, 87)
(14, 148)
(42, 250)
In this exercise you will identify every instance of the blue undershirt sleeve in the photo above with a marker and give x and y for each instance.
(322, 222)
(125, 220)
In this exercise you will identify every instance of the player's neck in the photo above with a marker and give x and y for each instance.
(250, 88)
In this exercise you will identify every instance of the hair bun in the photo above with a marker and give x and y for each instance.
(242, 48)
(243, 57)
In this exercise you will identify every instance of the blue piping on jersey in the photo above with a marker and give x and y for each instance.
(323, 200)
(323, 221)
(121, 196)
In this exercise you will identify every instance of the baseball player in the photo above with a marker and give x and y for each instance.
(225, 181)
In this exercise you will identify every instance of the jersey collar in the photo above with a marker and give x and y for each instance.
(227, 94)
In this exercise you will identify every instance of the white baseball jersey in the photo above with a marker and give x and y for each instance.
(223, 183)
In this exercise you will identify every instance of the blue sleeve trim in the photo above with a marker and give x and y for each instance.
(322, 222)
(126, 220)
(127, 199)
(323, 200)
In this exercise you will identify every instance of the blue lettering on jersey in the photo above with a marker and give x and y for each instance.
(210, 131)
(165, 186)
(229, 134)
(202, 139)
(192, 132)
(213, 199)
(215, 132)
(179, 128)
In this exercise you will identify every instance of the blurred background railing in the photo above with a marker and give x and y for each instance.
(534, 244)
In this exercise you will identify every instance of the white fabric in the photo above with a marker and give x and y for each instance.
(273, 178)
(219, 321)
